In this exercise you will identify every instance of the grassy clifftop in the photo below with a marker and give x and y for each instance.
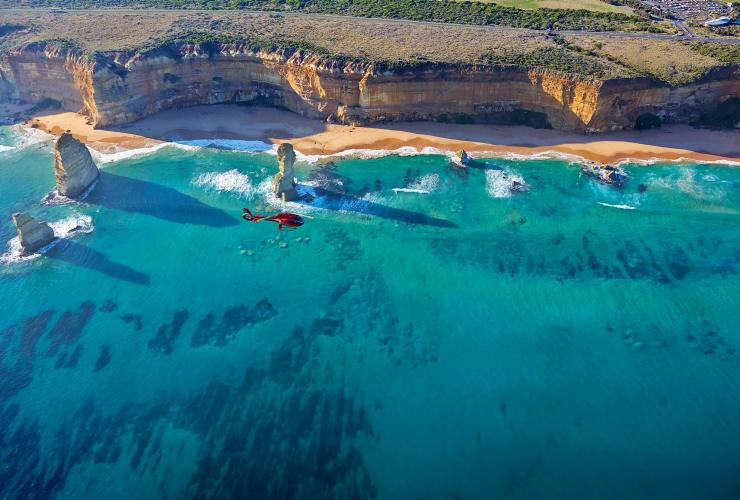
(479, 13)
(391, 43)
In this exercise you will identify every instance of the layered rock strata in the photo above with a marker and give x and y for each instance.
(32, 234)
(121, 87)
(283, 184)
(74, 169)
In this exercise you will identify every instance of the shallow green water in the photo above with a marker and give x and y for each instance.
(399, 345)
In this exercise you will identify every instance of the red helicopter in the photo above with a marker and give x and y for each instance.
(287, 219)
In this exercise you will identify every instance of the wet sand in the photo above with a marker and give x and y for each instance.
(313, 137)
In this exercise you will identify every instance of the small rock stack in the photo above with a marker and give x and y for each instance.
(33, 234)
(74, 168)
(283, 184)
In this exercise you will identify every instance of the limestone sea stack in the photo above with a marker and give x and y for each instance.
(283, 184)
(461, 159)
(33, 234)
(74, 168)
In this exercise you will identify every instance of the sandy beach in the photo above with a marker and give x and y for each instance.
(312, 137)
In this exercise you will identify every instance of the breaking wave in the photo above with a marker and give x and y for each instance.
(24, 137)
(131, 154)
(68, 228)
(369, 154)
(690, 182)
(498, 183)
(426, 183)
(654, 161)
(193, 145)
(231, 181)
(623, 207)
(423, 185)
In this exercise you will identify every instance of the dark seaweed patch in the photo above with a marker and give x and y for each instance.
(327, 326)
(16, 375)
(640, 266)
(133, 320)
(103, 359)
(108, 306)
(68, 362)
(167, 334)
(33, 328)
(677, 260)
(233, 320)
(346, 249)
(299, 445)
(708, 342)
(69, 326)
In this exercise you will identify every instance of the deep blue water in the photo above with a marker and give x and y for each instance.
(455, 344)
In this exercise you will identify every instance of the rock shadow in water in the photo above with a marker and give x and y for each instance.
(82, 256)
(332, 200)
(134, 195)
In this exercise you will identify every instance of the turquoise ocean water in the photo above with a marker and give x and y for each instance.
(575, 341)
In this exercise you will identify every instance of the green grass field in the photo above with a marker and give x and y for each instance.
(594, 5)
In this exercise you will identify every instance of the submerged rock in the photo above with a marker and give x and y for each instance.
(283, 184)
(33, 234)
(74, 168)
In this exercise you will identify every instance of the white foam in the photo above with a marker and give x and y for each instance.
(423, 185)
(366, 154)
(25, 136)
(72, 226)
(499, 182)
(654, 161)
(68, 228)
(53, 197)
(410, 190)
(707, 187)
(426, 183)
(130, 154)
(265, 193)
(623, 207)
(231, 181)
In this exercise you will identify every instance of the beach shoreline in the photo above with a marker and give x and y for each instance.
(316, 138)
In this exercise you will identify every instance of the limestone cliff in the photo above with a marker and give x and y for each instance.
(121, 87)
(32, 234)
(74, 168)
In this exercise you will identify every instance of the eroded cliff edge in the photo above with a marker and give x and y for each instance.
(115, 88)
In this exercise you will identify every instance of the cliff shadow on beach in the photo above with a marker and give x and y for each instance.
(83, 256)
(135, 195)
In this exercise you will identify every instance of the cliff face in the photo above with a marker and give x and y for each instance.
(38, 73)
(120, 87)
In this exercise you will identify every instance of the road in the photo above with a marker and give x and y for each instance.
(686, 36)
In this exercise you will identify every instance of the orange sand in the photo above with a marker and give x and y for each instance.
(314, 137)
